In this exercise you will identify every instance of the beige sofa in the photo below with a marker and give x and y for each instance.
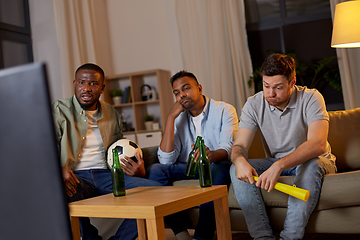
(338, 210)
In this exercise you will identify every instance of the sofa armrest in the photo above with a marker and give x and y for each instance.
(150, 156)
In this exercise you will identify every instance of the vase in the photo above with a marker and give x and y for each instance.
(148, 125)
(117, 100)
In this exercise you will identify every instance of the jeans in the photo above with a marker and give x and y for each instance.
(167, 174)
(308, 176)
(96, 182)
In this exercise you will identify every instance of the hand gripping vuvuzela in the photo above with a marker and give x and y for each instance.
(294, 191)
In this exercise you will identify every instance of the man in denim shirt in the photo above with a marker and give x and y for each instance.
(192, 115)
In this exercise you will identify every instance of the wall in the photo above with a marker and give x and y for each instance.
(143, 36)
(45, 46)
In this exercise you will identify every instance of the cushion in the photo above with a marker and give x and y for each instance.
(338, 190)
(344, 138)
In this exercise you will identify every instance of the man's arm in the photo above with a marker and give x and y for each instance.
(313, 147)
(167, 141)
(230, 123)
(244, 171)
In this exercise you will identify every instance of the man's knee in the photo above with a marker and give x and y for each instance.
(220, 173)
(156, 171)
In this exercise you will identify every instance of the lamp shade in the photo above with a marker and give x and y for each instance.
(346, 27)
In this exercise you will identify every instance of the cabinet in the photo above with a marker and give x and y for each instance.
(135, 111)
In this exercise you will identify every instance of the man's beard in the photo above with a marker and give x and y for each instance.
(86, 105)
(187, 104)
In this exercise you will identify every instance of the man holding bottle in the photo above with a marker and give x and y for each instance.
(192, 115)
(85, 127)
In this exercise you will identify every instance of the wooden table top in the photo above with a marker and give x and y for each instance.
(147, 202)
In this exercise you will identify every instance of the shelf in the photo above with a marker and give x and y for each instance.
(135, 111)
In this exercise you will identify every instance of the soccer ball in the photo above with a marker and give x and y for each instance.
(125, 147)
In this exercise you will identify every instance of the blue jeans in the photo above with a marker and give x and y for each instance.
(96, 182)
(167, 174)
(308, 176)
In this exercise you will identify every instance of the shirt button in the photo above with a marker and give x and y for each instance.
(83, 137)
(85, 120)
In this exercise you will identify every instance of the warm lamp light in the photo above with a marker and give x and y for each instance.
(346, 27)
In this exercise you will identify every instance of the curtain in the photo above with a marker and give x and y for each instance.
(83, 36)
(214, 47)
(349, 66)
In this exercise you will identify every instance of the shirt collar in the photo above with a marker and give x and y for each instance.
(291, 103)
(205, 110)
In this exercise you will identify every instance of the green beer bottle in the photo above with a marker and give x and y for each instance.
(191, 164)
(204, 167)
(117, 175)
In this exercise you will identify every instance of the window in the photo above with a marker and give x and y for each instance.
(302, 28)
(15, 33)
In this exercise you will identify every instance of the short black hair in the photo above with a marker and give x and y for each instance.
(279, 64)
(91, 66)
(181, 74)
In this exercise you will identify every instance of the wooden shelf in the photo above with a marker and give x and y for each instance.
(135, 111)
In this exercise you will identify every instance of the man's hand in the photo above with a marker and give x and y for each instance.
(213, 156)
(132, 168)
(244, 171)
(268, 179)
(176, 110)
(70, 181)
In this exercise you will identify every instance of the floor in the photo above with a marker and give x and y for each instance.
(245, 236)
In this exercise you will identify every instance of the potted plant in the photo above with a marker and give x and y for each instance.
(149, 120)
(116, 95)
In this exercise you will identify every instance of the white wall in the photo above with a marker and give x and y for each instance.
(45, 47)
(143, 35)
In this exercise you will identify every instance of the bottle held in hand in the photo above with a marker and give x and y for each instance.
(191, 164)
(204, 167)
(117, 175)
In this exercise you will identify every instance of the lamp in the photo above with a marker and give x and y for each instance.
(346, 27)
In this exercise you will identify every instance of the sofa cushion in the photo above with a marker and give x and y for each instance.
(338, 190)
(344, 138)
(150, 156)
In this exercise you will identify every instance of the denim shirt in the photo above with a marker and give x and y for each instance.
(71, 125)
(219, 127)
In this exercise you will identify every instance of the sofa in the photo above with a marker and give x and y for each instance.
(338, 210)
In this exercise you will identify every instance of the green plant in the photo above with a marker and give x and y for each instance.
(316, 75)
(148, 118)
(116, 92)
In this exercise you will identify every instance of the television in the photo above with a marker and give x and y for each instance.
(33, 202)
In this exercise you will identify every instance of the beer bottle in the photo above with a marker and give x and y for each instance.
(117, 175)
(204, 167)
(191, 165)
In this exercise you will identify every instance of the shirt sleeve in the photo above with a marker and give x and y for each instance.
(248, 116)
(316, 108)
(229, 129)
(169, 158)
(57, 119)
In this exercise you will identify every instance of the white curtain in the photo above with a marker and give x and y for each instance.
(349, 65)
(214, 47)
(83, 36)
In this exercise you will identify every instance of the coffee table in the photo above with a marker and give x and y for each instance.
(149, 205)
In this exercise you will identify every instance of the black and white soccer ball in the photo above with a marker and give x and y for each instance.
(125, 147)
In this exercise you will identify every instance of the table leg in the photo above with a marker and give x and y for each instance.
(141, 225)
(155, 229)
(222, 217)
(75, 227)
